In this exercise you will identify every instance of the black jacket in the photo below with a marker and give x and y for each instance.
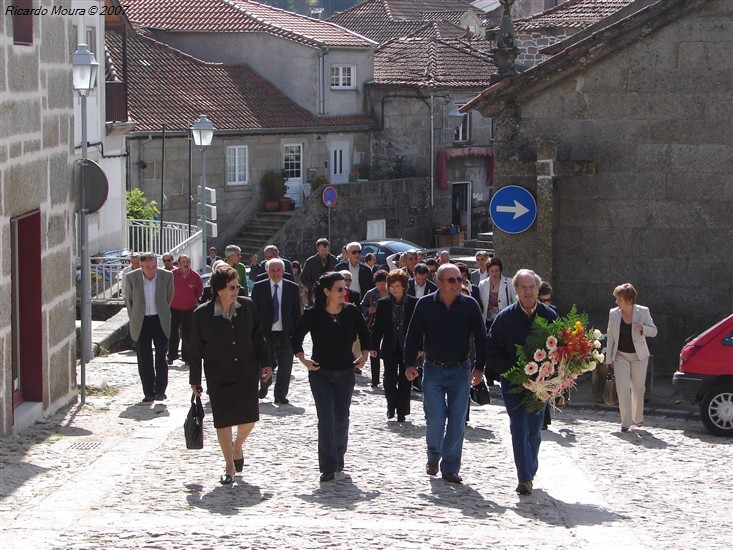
(382, 336)
(312, 269)
(366, 281)
(431, 287)
(289, 305)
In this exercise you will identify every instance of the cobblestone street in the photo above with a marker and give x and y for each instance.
(116, 474)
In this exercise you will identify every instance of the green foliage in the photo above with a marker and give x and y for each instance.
(273, 185)
(139, 208)
(318, 181)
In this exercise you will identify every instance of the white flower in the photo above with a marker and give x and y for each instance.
(597, 344)
(596, 334)
(599, 357)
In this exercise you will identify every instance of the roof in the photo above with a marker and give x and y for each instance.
(573, 14)
(383, 20)
(433, 61)
(167, 86)
(579, 55)
(239, 16)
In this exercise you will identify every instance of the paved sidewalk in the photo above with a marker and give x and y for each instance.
(116, 474)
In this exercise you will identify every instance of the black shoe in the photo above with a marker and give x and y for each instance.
(148, 398)
(160, 397)
(327, 476)
(239, 464)
(390, 414)
(282, 401)
(226, 479)
(170, 361)
(431, 468)
(400, 418)
(452, 477)
(524, 488)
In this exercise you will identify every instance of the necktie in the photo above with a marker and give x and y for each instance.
(275, 307)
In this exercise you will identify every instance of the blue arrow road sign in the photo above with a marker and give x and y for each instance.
(513, 209)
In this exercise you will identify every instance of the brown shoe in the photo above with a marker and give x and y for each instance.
(452, 477)
(524, 488)
(431, 468)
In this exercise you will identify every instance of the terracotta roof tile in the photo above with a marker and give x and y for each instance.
(573, 14)
(167, 86)
(382, 20)
(431, 61)
(239, 16)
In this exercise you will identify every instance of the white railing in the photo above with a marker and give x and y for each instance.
(142, 236)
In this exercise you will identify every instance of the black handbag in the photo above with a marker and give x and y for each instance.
(480, 394)
(193, 427)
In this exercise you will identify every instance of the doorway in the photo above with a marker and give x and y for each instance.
(293, 166)
(461, 206)
(26, 304)
(340, 161)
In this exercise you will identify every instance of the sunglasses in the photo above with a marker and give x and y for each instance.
(339, 289)
(356, 251)
(233, 287)
(451, 280)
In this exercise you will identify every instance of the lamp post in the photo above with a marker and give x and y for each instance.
(203, 133)
(84, 77)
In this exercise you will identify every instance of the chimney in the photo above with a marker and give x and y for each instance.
(505, 53)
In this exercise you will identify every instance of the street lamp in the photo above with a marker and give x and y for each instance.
(84, 78)
(203, 133)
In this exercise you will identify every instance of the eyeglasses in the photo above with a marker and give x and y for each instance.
(356, 251)
(233, 287)
(546, 300)
(339, 289)
(451, 280)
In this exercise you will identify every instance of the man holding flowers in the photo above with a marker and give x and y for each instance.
(510, 328)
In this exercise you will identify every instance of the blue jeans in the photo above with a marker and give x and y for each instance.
(445, 397)
(332, 391)
(526, 432)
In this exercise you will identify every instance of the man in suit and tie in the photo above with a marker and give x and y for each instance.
(278, 303)
(148, 297)
(421, 285)
(362, 280)
(260, 271)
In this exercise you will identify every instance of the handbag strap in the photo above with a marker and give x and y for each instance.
(196, 401)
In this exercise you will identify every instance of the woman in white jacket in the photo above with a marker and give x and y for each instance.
(629, 325)
(496, 291)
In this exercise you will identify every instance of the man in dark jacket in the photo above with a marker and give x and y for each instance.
(421, 285)
(360, 272)
(278, 304)
(321, 262)
(509, 329)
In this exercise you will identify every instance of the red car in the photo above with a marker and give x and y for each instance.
(705, 376)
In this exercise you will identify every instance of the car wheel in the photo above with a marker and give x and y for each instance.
(717, 410)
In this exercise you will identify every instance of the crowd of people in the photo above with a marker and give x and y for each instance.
(435, 325)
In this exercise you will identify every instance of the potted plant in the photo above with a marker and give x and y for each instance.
(273, 188)
(318, 181)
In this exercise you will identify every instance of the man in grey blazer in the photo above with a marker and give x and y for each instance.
(148, 297)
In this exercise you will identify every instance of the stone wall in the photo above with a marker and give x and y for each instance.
(654, 209)
(404, 204)
(530, 44)
(36, 145)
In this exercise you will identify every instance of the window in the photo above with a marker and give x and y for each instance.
(463, 132)
(237, 159)
(23, 23)
(91, 38)
(343, 77)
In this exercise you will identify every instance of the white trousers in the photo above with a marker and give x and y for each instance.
(630, 374)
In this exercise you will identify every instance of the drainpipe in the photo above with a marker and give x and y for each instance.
(432, 149)
(322, 53)
(141, 164)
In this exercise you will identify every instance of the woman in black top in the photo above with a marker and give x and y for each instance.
(228, 339)
(333, 326)
(388, 336)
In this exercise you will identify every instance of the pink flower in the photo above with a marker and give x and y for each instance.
(554, 356)
(530, 369)
(546, 370)
(528, 384)
(540, 355)
(551, 342)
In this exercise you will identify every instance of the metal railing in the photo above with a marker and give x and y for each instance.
(142, 236)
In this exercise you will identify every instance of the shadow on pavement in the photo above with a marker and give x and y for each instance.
(461, 497)
(475, 435)
(226, 500)
(280, 410)
(142, 412)
(641, 437)
(340, 494)
(563, 514)
(405, 429)
(563, 437)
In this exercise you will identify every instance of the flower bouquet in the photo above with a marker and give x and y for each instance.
(553, 357)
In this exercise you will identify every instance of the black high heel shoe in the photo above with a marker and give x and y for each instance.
(239, 464)
(226, 479)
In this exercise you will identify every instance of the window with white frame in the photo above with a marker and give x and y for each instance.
(343, 77)
(237, 160)
(463, 132)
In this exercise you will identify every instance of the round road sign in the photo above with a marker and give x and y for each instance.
(330, 196)
(513, 209)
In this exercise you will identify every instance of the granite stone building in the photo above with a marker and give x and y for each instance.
(625, 139)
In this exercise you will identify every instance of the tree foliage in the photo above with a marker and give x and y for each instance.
(140, 208)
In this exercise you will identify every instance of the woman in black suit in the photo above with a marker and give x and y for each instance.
(227, 337)
(388, 336)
